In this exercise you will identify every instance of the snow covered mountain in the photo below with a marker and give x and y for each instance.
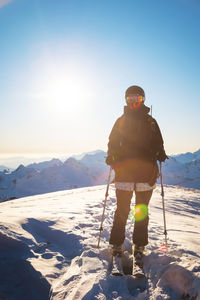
(55, 175)
(187, 157)
(80, 156)
(52, 176)
(45, 164)
(182, 174)
(48, 247)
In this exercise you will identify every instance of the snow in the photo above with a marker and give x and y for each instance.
(48, 247)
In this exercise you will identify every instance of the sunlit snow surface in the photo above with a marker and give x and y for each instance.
(48, 247)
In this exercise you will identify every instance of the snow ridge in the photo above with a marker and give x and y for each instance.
(52, 239)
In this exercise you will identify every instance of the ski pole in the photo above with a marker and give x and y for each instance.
(104, 207)
(163, 204)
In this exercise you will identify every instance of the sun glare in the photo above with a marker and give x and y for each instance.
(62, 93)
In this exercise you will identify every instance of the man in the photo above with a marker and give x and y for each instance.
(135, 145)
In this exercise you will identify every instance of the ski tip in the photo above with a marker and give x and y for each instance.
(138, 275)
(117, 274)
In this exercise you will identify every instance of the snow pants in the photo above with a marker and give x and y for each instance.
(140, 233)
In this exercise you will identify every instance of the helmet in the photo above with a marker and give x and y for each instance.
(134, 90)
(135, 96)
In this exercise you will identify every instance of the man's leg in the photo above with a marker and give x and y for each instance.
(121, 214)
(140, 233)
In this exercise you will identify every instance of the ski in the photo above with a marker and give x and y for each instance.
(116, 266)
(138, 270)
(137, 281)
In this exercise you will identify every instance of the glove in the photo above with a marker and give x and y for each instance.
(110, 160)
(161, 156)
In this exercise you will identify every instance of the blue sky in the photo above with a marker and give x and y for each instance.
(65, 65)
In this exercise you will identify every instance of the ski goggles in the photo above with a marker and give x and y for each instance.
(134, 99)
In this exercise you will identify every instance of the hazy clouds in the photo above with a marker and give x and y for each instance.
(4, 2)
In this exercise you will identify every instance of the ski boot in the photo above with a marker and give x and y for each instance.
(116, 262)
(138, 255)
(117, 250)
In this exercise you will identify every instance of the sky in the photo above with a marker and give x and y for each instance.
(65, 66)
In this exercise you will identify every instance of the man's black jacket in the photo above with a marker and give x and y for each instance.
(135, 145)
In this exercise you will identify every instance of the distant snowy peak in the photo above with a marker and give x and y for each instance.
(46, 164)
(182, 174)
(80, 156)
(20, 168)
(187, 157)
(71, 161)
(96, 156)
(193, 168)
(23, 171)
(173, 164)
(93, 160)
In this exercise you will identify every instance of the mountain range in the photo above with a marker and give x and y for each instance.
(87, 170)
(183, 170)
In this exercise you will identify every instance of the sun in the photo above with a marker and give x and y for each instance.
(63, 92)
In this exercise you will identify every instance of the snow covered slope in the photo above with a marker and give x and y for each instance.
(48, 247)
